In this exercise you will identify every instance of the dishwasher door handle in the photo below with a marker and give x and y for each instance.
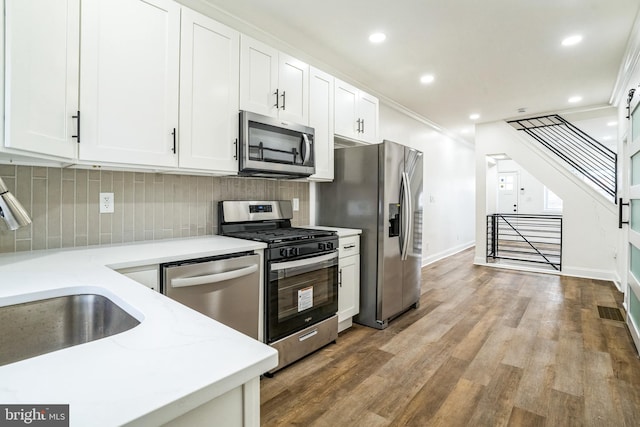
(182, 282)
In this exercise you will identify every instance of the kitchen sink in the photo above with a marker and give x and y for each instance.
(38, 327)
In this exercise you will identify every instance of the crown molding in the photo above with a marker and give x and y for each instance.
(630, 62)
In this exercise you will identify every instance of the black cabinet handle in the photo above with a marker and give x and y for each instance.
(340, 278)
(235, 151)
(620, 221)
(174, 140)
(284, 99)
(358, 122)
(362, 121)
(277, 93)
(77, 117)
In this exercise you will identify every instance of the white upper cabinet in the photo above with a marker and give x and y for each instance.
(209, 79)
(356, 113)
(130, 56)
(272, 83)
(321, 119)
(368, 107)
(42, 60)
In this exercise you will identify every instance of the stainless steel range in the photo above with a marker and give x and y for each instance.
(300, 275)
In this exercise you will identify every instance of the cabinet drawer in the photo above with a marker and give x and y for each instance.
(349, 246)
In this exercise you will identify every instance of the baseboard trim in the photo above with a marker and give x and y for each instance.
(451, 251)
(585, 273)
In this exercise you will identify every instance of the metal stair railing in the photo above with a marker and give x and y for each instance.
(525, 238)
(596, 162)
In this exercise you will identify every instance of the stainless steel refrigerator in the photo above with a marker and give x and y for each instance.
(378, 188)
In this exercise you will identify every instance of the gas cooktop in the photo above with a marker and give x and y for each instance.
(280, 234)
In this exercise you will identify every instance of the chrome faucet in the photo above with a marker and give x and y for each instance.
(11, 210)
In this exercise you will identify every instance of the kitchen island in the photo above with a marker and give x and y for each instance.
(177, 366)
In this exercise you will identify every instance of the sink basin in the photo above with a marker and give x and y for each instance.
(38, 327)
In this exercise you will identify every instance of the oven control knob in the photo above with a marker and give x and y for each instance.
(294, 251)
(284, 252)
(329, 246)
(322, 246)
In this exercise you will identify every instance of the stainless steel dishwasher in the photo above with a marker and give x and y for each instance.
(225, 288)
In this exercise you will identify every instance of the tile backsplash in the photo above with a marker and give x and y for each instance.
(63, 204)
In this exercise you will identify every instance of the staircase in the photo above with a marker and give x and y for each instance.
(581, 153)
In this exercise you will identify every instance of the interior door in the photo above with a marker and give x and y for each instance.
(508, 193)
(632, 167)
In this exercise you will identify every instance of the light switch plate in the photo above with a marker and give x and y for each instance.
(296, 204)
(106, 203)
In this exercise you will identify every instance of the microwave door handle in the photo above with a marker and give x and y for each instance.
(307, 150)
(183, 282)
(303, 262)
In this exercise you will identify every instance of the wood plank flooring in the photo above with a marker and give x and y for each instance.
(487, 347)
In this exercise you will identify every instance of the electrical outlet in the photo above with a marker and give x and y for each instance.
(106, 203)
(296, 204)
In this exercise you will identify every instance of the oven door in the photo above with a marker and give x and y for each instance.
(300, 293)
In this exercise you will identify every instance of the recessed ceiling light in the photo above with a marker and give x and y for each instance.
(575, 99)
(612, 124)
(377, 37)
(572, 40)
(474, 116)
(427, 78)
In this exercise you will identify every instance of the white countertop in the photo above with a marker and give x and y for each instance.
(175, 360)
(342, 232)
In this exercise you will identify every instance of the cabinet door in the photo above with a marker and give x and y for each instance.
(293, 87)
(258, 77)
(42, 59)
(321, 119)
(368, 113)
(129, 80)
(209, 58)
(346, 114)
(349, 287)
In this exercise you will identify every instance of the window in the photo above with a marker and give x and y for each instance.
(552, 202)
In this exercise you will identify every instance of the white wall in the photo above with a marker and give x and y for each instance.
(448, 183)
(589, 220)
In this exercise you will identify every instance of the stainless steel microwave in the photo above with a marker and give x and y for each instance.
(274, 148)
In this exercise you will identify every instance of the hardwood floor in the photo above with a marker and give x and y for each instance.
(487, 347)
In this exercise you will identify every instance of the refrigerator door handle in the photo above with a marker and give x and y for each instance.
(405, 203)
(409, 220)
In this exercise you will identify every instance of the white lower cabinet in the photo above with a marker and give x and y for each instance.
(348, 281)
(148, 275)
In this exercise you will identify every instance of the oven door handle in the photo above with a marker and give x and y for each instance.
(183, 282)
(303, 262)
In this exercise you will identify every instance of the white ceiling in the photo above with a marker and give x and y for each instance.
(489, 57)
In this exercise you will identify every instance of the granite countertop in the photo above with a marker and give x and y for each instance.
(175, 360)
